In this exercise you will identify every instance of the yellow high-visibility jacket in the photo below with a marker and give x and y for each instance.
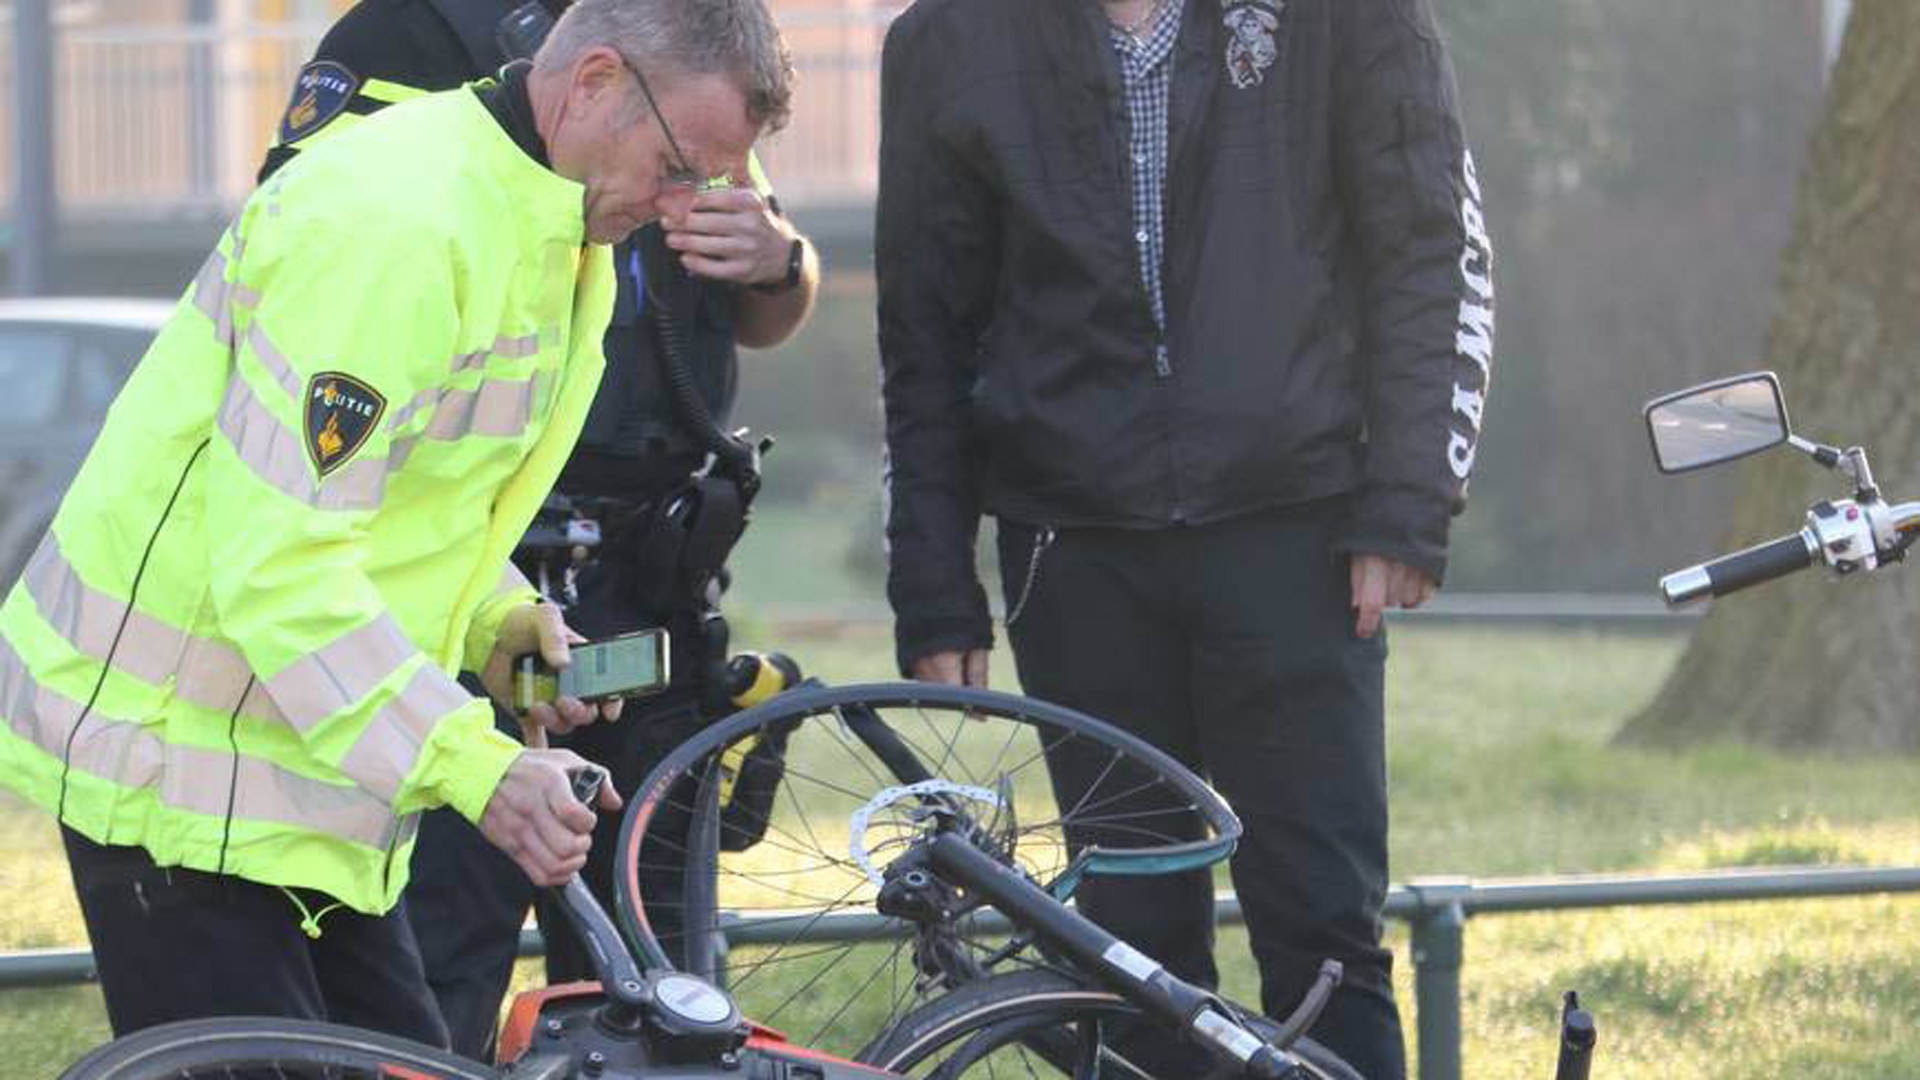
(235, 646)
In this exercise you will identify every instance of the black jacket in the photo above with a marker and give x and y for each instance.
(1328, 284)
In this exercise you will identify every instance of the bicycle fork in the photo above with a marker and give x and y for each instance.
(1136, 976)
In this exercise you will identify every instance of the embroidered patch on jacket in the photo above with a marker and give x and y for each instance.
(320, 92)
(341, 413)
(1250, 48)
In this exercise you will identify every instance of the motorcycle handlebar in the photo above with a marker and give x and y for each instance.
(1731, 573)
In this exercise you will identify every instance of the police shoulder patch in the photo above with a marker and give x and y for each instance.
(341, 413)
(320, 92)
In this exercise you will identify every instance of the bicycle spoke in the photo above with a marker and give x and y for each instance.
(812, 980)
(889, 965)
(859, 755)
(808, 924)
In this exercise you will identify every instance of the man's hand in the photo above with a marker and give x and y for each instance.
(539, 628)
(954, 668)
(1378, 583)
(535, 819)
(730, 235)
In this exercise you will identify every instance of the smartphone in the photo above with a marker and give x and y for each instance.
(631, 665)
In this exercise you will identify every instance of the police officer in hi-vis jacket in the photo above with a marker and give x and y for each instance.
(731, 270)
(229, 669)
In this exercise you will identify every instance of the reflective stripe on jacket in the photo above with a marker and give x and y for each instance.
(240, 661)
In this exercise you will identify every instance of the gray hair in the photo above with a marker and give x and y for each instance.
(735, 38)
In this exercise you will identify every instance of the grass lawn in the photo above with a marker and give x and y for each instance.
(1500, 766)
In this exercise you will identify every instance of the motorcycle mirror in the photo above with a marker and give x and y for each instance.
(1717, 421)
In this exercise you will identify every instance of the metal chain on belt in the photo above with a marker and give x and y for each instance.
(1041, 541)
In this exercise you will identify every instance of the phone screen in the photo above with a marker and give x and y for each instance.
(629, 664)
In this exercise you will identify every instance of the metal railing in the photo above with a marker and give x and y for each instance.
(1615, 611)
(1436, 910)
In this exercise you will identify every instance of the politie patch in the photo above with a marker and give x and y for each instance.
(320, 91)
(341, 413)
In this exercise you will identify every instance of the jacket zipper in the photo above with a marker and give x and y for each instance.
(1163, 371)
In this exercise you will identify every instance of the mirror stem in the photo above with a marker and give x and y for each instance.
(1825, 455)
(1865, 490)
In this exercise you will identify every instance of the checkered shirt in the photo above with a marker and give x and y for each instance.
(1145, 72)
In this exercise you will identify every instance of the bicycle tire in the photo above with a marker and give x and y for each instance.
(243, 1048)
(859, 758)
(1008, 1013)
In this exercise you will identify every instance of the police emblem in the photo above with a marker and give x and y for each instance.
(320, 92)
(341, 413)
(1250, 48)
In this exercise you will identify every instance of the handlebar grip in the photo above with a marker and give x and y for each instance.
(1731, 573)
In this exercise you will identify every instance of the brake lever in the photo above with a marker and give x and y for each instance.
(587, 782)
(1312, 1005)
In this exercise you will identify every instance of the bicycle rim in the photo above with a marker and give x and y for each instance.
(1041, 1024)
(269, 1049)
(861, 767)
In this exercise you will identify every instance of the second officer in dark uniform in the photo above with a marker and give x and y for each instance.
(653, 468)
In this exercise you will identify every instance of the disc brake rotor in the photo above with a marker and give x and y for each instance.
(858, 824)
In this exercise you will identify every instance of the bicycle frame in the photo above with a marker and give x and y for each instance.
(952, 855)
(626, 1022)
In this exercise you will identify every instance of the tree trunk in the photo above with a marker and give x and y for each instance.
(1811, 662)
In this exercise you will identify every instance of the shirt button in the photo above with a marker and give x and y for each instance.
(1139, 159)
(1141, 236)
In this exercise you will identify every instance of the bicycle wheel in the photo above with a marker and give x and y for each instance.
(1041, 1024)
(265, 1048)
(786, 816)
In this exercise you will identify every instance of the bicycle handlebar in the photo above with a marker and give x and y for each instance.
(619, 974)
(1731, 573)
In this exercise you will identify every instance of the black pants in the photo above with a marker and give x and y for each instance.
(468, 900)
(1231, 647)
(175, 944)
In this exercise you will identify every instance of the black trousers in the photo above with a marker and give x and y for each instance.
(175, 944)
(1231, 647)
(467, 900)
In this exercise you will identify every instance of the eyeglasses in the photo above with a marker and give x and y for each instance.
(682, 174)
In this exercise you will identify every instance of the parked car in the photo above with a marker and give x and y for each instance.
(62, 361)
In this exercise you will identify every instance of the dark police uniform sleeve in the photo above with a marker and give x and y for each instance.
(378, 52)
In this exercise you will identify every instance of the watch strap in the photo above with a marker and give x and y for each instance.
(796, 263)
